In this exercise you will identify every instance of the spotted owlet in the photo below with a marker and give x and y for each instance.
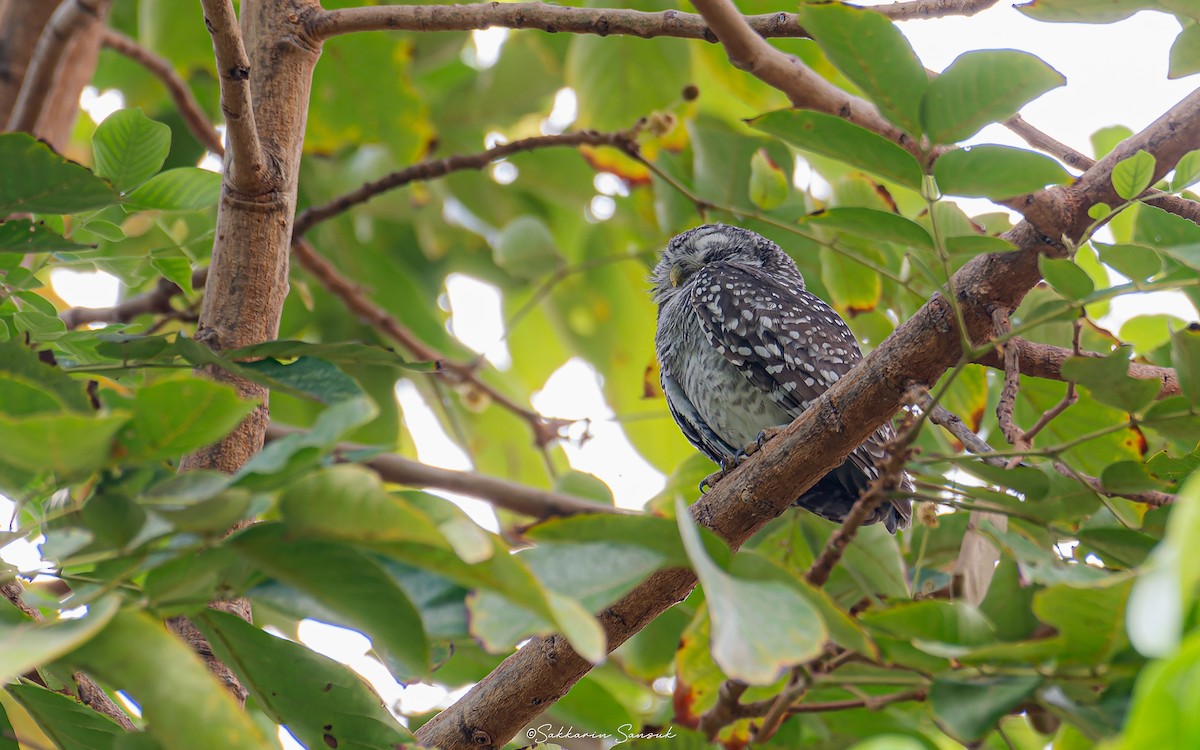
(743, 347)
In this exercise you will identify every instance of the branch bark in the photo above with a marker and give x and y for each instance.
(763, 487)
(600, 21)
(246, 169)
(71, 34)
(1045, 361)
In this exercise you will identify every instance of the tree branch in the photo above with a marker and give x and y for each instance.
(1183, 207)
(68, 19)
(624, 140)
(806, 89)
(157, 300)
(193, 115)
(501, 493)
(600, 21)
(545, 429)
(1045, 361)
(248, 168)
(918, 352)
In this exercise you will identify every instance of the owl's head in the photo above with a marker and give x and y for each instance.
(696, 248)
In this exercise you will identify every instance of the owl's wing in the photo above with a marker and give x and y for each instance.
(694, 428)
(788, 343)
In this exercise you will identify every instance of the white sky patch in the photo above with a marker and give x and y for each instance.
(100, 105)
(486, 47)
(602, 208)
(85, 288)
(563, 114)
(477, 318)
(434, 447)
(504, 172)
(607, 183)
(573, 392)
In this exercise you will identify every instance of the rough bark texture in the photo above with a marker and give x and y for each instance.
(248, 276)
(919, 351)
(247, 280)
(21, 24)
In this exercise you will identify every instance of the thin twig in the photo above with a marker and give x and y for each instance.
(501, 493)
(874, 702)
(890, 472)
(725, 711)
(157, 300)
(90, 694)
(193, 115)
(954, 424)
(248, 168)
(69, 18)
(1012, 383)
(1153, 498)
(545, 429)
(600, 21)
(775, 715)
(1069, 398)
(624, 140)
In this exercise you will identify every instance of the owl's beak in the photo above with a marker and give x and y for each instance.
(677, 274)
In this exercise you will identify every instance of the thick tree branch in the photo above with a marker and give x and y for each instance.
(624, 140)
(916, 354)
(193, 115)
(1188, 209)
(806, 89)
(21, 26)
(1045, 361)
(247, 170)
(68, 19)
(501, 493)
(600, 21)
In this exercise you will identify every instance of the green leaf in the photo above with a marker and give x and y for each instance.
(612, 94)
(983, 87)
(1082, 11)
(996, 172)
(869, 50)
(178, 416)
(23, 364)
(182, 189)
(1162, 713)
(348, 583)
(1187, 170)
(25, 236)
(853, 287)
(1109, 382)
(1131, 176)
(1090, 621)
(834, 137)
(758, 628)
(320, 701)
(183, 705)
(1128, 476)
(526, 248)
(1166, 587)
(307, 376)
(969, 709)
(130, 148)
(67, 444)
(1185, 53)
(1134, 261)
(349, 503)
(27, 645)
(872, 224)
(37, 180)
(1067, 278)
(769, 185)
(340, 352)
(932, 621)
(1185, 358)
(66, 721)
